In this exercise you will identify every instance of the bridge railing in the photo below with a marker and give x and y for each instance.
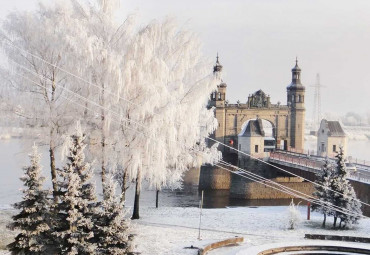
(315, 165)
(302, 161)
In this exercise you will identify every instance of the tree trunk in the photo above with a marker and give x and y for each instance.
(135, 214)
(102, 130)
(52, 142)
(52, 165)
(124, 187)
(324, 222)
(103, 168)
(335, 222)
(156, 198)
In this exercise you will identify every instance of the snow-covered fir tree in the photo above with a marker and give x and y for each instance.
(33, 220)
(344, 196)
(75, 212)
(322, 190)
(112, 235)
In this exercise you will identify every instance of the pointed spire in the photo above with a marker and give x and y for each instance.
(296, 67)
(218, 67)
(296, 74)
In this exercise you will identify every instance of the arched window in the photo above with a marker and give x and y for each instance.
(299, 99)
(219, 95)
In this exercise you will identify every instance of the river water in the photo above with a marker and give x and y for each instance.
(14, 153)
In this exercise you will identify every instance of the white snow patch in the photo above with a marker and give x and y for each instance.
(168, 230)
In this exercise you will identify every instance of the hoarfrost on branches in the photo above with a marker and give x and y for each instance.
(294, 216)
(33, 219)
(344, 196)
(75, 213)
(322, 190)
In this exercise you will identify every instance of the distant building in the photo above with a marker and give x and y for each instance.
(251, 139)
(330, 137)
(287, 120)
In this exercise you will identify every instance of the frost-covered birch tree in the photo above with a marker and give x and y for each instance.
(33, 218)
(37, 44)
(168, 82)
(100, 60)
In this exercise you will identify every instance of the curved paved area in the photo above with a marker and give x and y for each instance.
(258, 250)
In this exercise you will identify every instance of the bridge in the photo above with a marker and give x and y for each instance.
(313, 164)
(307, 166)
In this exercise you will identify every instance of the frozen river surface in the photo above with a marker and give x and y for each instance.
(13, 156)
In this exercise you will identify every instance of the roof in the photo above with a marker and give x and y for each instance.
(296, 67)
(254, 128)
(334, 128)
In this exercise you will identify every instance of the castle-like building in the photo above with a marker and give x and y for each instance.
(288, 121)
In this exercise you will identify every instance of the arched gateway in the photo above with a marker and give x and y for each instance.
(287, 120)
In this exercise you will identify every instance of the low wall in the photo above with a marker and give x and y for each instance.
(338, 238)
(220, 244)
(214, 178)
(242, 188)
(315, 248)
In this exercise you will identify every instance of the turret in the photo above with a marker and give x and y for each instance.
(218, 97)
(295, 100)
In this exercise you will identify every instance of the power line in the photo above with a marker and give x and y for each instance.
(284, 189)
(286, 171)
(289, 190)
(12, 44)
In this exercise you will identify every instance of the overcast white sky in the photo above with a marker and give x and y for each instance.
(258, 41)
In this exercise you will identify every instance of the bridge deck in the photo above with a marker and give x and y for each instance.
(314, 164)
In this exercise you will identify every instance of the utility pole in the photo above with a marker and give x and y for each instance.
(316, 116)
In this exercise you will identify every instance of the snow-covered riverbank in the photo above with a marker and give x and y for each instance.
(168, 230)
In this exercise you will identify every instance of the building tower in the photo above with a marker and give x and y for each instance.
(296, 93)
(218, 97)
(217, 100)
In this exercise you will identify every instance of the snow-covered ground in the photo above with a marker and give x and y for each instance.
(168, 230)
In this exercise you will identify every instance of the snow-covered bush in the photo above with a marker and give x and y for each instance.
(294, 216)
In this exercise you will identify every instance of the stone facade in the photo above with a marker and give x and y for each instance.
(242, 188)
(287, 120)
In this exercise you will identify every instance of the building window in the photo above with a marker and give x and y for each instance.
(240, 147)
(292, 98)
(256, 148)
(219, 96)
(334, 148)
